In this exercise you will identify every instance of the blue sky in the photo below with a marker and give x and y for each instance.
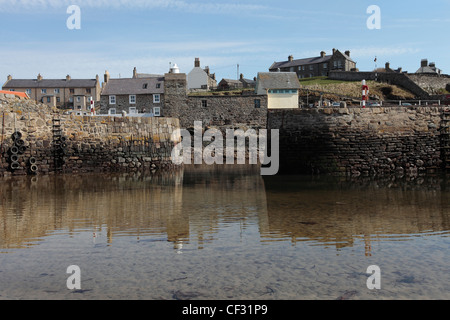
(118, 35)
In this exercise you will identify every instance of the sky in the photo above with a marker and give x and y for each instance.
(229, 36)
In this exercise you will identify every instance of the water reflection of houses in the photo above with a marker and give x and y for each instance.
(118, 205)
(340, 214)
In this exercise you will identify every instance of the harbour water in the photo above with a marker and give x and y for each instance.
(224, 232)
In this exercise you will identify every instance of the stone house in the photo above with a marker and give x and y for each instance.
(316, 66)
(61, 93)
(281, 89)
(230, 84)
(132, 95)
(426, 68)
(201, 79)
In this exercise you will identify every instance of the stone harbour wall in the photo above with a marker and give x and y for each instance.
(357, 141)
(83, 143)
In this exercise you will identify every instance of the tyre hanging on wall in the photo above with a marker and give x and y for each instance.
(16, 135)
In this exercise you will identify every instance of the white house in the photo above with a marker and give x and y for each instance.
(200, 78)
(281, 88)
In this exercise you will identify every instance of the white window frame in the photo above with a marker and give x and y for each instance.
(28, 91)
(131, 99)
(157, 111)
(44, 91)
(110, 111)
(78, 99)
(157, 98)
(57, 91)
(112, 99)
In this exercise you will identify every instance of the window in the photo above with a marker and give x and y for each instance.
(78, 99)
(145, 86)
(132, 99)
(88, 90)
(43, 91)
(56, 91)
(79, 107)
(72, 90)
(204, 103)
(291, 69)
(325, 65)
(112, 100)
(112, 111)
(158, 85)
(257, 103)
(157, 111)
(156, 98)
(71, 99)
(311, 67)
(58, 99)
(28, 91)
(132, 110)
(49, 99)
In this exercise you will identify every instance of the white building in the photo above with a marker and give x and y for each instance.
(200, 78)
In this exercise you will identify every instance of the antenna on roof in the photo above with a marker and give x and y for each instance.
(237, 75)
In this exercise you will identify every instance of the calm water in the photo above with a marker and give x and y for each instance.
(223, 233)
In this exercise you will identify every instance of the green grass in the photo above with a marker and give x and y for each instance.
(318, 80)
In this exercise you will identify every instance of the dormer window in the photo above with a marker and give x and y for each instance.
(145, 86)
(158, 85)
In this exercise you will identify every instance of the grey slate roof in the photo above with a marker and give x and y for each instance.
(299, 62)
(50, 83)
(127, 86)
(305, 61)
(428, 69)
(276, 80)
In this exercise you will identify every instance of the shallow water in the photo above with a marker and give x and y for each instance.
(223, 233)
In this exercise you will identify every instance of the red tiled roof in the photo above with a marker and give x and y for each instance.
(19, 94)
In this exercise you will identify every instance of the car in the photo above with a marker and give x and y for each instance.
(406, 104)
(374, 104)
(336, 104)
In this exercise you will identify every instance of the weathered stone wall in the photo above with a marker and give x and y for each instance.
(430, 83)
(93, 144)
(213, 111)
(356, 141)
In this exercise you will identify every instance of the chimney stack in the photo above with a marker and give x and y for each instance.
(424, 63)
(9, 77)
(197, 63)
(291, 58)
(334, 51)
(432, 64)
(322, 54)
(387, 66)
(241, 76)
(68, 78)
(39, 77)
(134, 73)
(347, 53)
(106, 76)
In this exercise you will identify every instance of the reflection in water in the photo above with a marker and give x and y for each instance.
(223, 230)
(338, 213)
